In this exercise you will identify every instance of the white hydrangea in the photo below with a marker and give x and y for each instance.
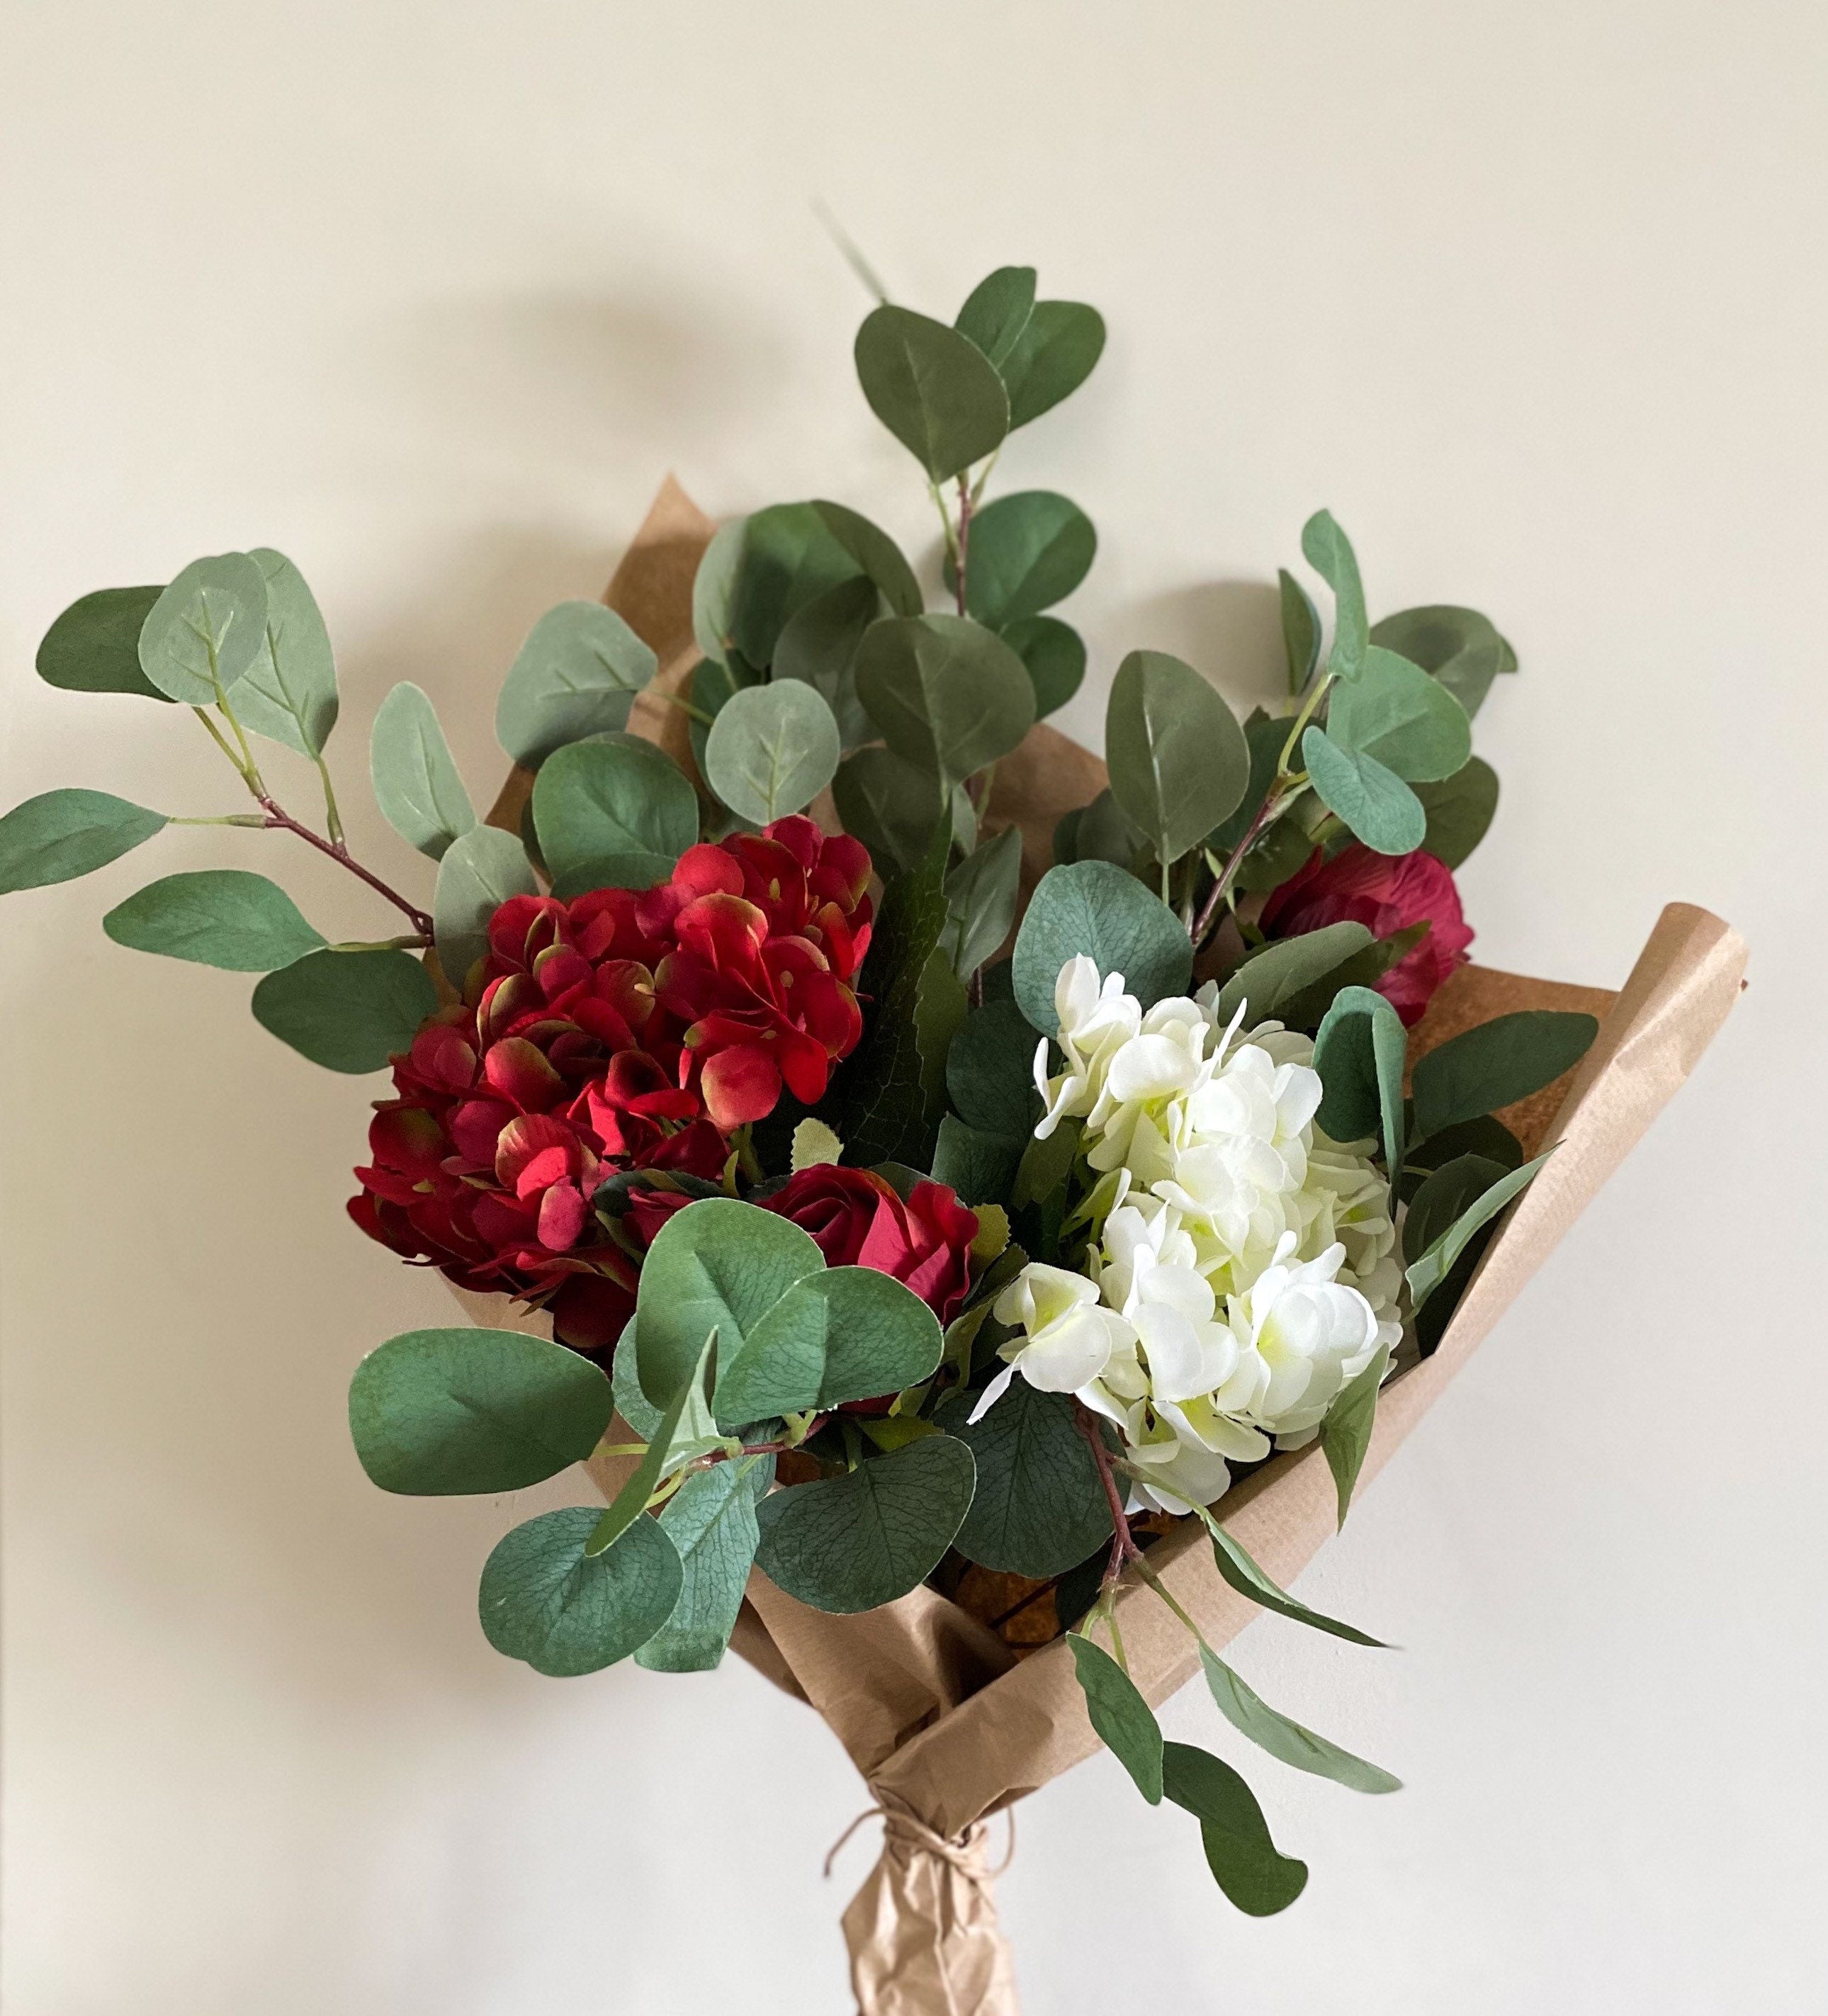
(1242, 1266)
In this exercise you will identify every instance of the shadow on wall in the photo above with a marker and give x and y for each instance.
(1229, 630)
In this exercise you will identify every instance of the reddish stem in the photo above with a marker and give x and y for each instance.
(278, 817)
(1123, 1549)
(964, 537)
(1209, 909)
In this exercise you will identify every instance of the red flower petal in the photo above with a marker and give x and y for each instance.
(520, 1073)
(740, 1084)
(563, 1213)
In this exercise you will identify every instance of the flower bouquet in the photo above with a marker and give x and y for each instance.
(978, 1214)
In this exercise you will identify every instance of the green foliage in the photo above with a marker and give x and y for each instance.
(819, 646)
(1345, 1435)
(1459, 810)
(772, 750)
(683, 1430)
(1244, 1860)
(948, 694)
(1101, 831)
(848, 1334)
(1496, 1064)
(876, 553)
(1178, 760)
(63, 834)
(990, 1070)
(1329, 552)
(997, 310)
(935, 390)
(1394, 711)
(543, 1599)
(1039, 1508)
(479, 871)
(576, 675)
(1359, 1054)
(1301, 630)
(1124, 1720)
(889, 804)
(349, 1011)
(790, 555)
(981, 1167)
(1459, 647)
(94, 645)
(1372, 799)
(719, 1264)
(1426, 1273)
(713, 589)
(216, 916)
(1363, 968)
(712, 684)
(710, 1520)
(1243, 1574)
(1264, 737)
(1483, 1136)
(1054, 654)
(1456, 1183)
(1286, 967)
(439, 1413)
(614, 812)
(1052, 357)
(1248, 1713)
(205, 629)
(288, 693)
(416, 784)
(981, 894)
(1046, 1164)
(854, 1542)
(1095, 909)
(1027, 551)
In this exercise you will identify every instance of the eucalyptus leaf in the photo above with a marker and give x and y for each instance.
(576, 675)
(663, 1453)
(205, 629)
(710, 1520)
(848, 1334)
(1329, 552)
(1363, 968)
(1497, 1063)
(94, 645)
(544, 1600)
(1124, 1720)
(773, 750)
(818, 646)
(441, 1413)
(1045, 1163)
(997, 310)
(1054, 653)
(1105, 832)
(948, 694)
(855, 1541)
(1394, 711)
(1459, 1181)
(980, 1167)
(990, 1071)
(288, 693)
(1285, 967)
(1247, 1713)
(893, 806)
(1372, 801)
(712, 683)
(1039, 1506)
(1345, 1435)
(714, 589)
(981, 895)
(791, 556)
(349, 1011)
(63, 834)
(479, 871)
(875, 553)
(1459, 810)
(416, 785)
(1461, 648)
(615, 800)
(1264, 737)
(1094, 908)
(1026, 551)
(1359, 1052)
(1052, 357)
(217, 917)
(1483, 1137)
(1301, 630)
(1178, 760)
(934, 390)
(1243, 1574)
(1426, 1273)
(1245, 1862)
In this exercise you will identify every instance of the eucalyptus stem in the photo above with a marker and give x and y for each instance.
(967, 499)
(1124, 1548)
(332, 818)
(685, 706)
(278, 816)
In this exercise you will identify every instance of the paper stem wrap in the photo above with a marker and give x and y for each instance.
(934, 1710)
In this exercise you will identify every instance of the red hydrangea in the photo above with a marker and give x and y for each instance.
(1385, 893)
(623, 1030)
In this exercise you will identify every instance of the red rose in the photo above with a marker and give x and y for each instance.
(1385, 893)
(857, 1220)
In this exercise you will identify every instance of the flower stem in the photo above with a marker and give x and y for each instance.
(278, 816)
(1124, 1549)
(966, 501)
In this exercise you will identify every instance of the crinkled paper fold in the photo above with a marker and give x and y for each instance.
(945, 1725)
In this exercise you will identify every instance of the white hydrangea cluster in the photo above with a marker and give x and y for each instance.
(1243, 1267)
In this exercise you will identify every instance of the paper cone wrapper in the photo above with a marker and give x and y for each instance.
(944, 1722)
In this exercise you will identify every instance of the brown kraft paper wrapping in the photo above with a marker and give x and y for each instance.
(946, 1727)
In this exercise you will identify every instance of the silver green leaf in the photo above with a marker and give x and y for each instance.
(772, 749)
(479, 871)
(205, 629)
(576, 675)
(415, 781)
(288, 693)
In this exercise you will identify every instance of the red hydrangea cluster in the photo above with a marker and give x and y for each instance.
(626, 1029)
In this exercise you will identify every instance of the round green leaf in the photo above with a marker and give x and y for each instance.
(818, 646)
(288, 693)
(789, 554)
(1497, 1063)
(1436, 1262)
(855, 1541)
(479, 871)
(576, 675)
(981, 1167)
(1359, 1051)
(349, 1011)
(1375, 803)
(544, 1600)
(981, 895)
(416, 784)
(616, 803)
(1287, 968)
(1394, 711)
(1122, 1718)
(772, 750)
(1178, 760)
(947, 693)
(997, 310)
(889, 804)
(63, 834)
(935, 390)
(710, 1520)
(205, 629)
(990, 1071)
(441, 1413)
(713, 587)
(1039, 1508)
(1460, 809)
(1245, 1862)
(1301, 630)
(1330, 553)
(1054, 653)
(718, 1265)
(1461, 648)
(94, 645)
(1460, 1181)
(1095, 908)
(1053, 356)
(219, 916)
(1027, 551)
(875, 553)
(848, 1334)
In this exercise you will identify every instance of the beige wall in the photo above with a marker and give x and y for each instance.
(430, 296)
